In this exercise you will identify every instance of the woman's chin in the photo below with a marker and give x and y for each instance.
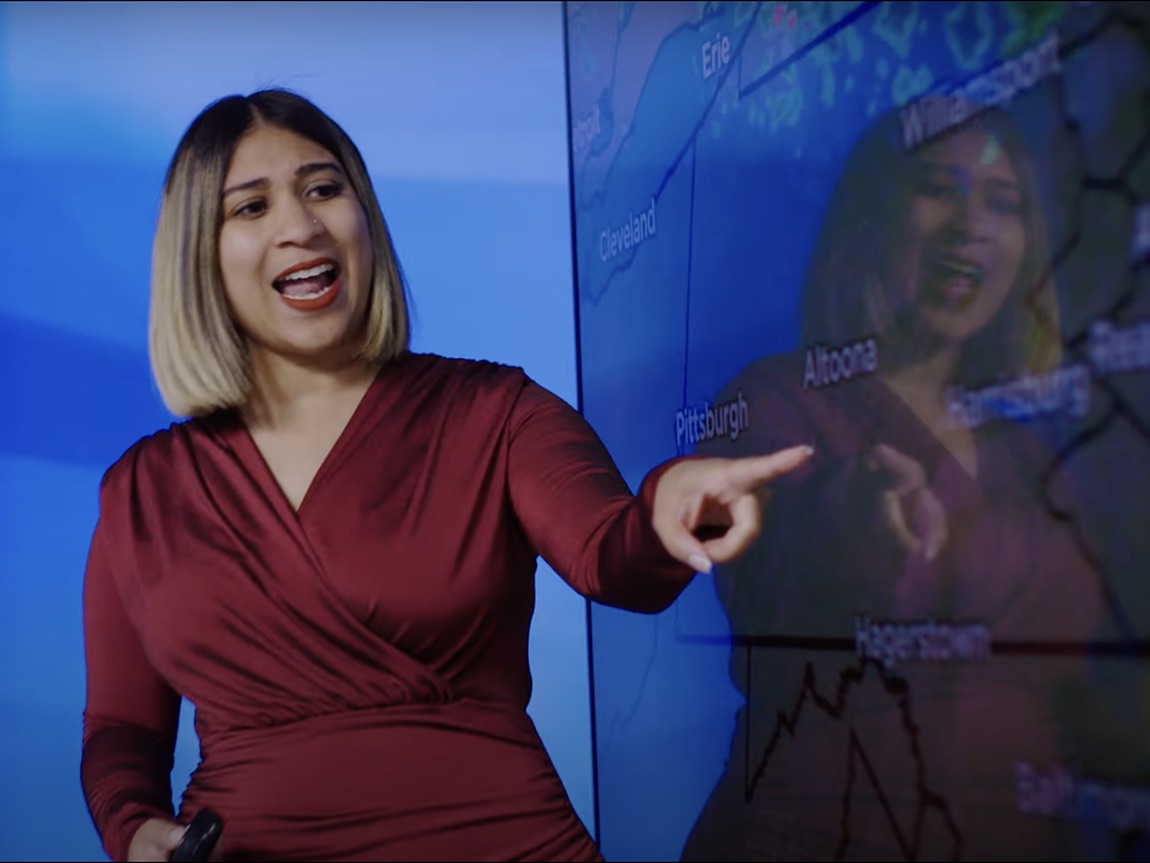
(955, 326)
(331, 351)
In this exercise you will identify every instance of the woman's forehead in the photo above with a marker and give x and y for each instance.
(974, 149)
(269, 150)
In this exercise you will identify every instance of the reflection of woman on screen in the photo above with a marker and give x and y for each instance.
(917, 537)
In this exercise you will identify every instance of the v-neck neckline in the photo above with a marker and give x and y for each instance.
(251, 454)
(943, 468)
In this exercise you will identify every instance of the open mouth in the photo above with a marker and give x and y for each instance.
(953, 280)
(309, 286)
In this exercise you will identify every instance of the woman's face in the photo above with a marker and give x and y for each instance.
(295, 248)
(966, 240)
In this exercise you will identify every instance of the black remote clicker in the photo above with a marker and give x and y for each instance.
(200, 838)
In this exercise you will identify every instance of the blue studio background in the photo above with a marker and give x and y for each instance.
(459, 109)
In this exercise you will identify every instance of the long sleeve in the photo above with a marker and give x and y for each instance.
(578, 513)
(131, 715)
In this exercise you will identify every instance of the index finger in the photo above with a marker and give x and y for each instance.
(747, 473)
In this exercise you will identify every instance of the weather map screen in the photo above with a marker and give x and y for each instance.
(914, 236)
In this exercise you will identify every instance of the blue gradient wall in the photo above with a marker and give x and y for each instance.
(460, 112)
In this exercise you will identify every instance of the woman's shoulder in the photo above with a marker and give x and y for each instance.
(460, 378)
(780, 374)
(431, 388)
(156, 456)
(805, 395)
(463, 368)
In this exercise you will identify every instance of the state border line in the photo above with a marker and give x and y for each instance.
(1004, 647)
(597, 197)
(594, 296)
(829, 33)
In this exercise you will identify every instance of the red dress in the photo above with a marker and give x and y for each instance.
(359, 667)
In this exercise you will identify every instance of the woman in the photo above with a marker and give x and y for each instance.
(881, 724)
(333, 557)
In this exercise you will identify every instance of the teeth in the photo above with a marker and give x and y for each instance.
(312, 296)
(964, 269)
(310, 273)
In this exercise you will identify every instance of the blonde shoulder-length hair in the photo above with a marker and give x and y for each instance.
(199, 357)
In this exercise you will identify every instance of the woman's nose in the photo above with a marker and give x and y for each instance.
(970, 215)
(297, 224)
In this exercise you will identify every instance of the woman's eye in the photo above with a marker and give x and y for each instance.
(251, 208)
(1007, 205)
(1005, 199)
(326, 190)
(936, 182)
(937, 188)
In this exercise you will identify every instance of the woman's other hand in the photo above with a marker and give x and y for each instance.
(155, 840)
(911, 512)
(158, 838)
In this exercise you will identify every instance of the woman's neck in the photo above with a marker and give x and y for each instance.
(921, 382)
(287, 393)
